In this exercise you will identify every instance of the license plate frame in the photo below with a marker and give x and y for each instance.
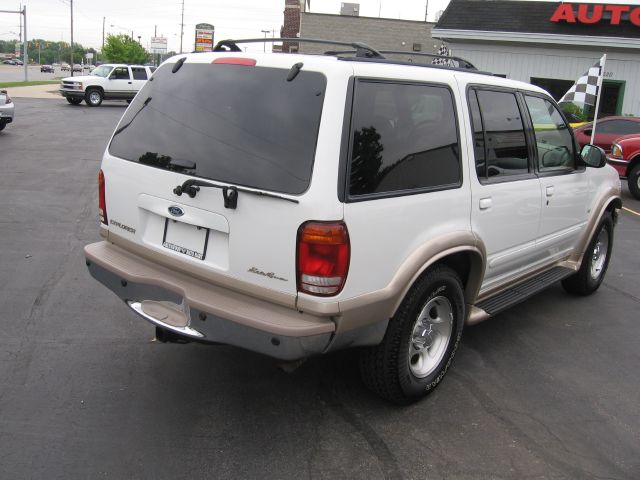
(196, 245)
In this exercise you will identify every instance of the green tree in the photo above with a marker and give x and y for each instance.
(123, 49)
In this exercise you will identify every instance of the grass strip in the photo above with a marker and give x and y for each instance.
(28, 84)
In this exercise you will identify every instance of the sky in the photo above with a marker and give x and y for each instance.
(50, 19)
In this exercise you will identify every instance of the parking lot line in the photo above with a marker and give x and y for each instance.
(631, 211)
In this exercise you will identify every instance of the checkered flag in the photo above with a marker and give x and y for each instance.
(443, 51)
(585, 90)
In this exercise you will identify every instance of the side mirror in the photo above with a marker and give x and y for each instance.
(593, 156)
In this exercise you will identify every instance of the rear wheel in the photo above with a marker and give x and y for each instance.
(633, 180)
(74, 100)
(595, 261)
(2, 124)
(421, 339)
(93, 97)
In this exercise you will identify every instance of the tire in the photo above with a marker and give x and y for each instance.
(74, 100)
(633, 180)
(2, 125)
(594, 262)
(421, 339)
(93, 97)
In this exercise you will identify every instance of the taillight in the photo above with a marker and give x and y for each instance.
(102, 204)
(323, 258)
(8, 100)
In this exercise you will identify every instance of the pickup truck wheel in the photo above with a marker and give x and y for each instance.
(421, 339)
(74, 100)
(633, 180)
(93, 97)
(594, 263)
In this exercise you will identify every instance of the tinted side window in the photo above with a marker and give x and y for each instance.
(506, 150)
(139, 73)
(478, 135)
(553, 140)
(404, 137)
(120, 73)
(621, 127)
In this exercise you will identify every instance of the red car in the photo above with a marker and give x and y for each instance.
(625, 158)
(608, 130)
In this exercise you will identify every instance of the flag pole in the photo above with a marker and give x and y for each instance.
(595, 115)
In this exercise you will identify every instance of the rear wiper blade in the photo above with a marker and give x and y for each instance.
(230, 193)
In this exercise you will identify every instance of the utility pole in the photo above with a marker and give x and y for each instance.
(71, 2)
(26, 44)
(182, 26)
(101, 51)
(264, 45)
(426, 11)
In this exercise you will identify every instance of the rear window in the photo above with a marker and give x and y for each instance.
(235, 124)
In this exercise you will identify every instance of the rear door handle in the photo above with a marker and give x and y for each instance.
(550, 191)
(485, 203)
(130, 83)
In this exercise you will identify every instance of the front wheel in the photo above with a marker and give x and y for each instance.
(93, 97)
(421, 339)
(74, 100)
(595, 261)
(633, 180)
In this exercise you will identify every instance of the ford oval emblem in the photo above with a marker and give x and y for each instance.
(176, 211)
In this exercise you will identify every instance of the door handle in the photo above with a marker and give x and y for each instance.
(550, 191)
(130, 83)
(485, 203)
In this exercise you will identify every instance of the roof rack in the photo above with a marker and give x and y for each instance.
(361, 49)
(462, 63)
(362, 52)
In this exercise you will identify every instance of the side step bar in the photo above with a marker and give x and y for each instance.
(524, 290)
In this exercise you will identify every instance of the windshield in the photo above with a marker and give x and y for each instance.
(241, 125)
(102, 71)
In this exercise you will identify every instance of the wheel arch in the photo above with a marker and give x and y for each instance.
(633, 161)
(94, 87)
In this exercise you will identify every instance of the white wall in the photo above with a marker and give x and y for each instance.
(556, 62)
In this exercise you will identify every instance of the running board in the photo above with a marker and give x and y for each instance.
(523, 290)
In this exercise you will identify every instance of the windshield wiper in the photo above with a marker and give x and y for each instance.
(230, 193)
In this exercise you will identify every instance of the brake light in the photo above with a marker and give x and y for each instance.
(102, 204)
(8, 100)
(247, 62)
(323, 258)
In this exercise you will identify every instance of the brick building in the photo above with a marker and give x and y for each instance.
(379, 33)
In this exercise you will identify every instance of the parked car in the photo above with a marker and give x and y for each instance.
(9, 61)
(87, 66)
(47, 69)
(607, 130)
(363, 202)
(109, 81)
(7, 109)
(625, 158)
(65, 67)
(18, 61)
(77, 67)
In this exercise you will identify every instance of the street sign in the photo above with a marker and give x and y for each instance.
(88, 56)
(204, 37)
(158, 45)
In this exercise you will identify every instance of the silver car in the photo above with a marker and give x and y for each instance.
(6, 109)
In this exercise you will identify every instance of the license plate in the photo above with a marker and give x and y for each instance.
(185, 238)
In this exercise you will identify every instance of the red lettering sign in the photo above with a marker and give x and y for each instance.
(589, 13)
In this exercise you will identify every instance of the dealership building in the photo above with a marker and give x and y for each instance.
(549, 44)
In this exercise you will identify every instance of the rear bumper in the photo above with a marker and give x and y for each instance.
(205, 312)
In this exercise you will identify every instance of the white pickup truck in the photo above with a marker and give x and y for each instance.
(106, 82)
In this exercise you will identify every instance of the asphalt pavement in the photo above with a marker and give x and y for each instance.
(547, 390)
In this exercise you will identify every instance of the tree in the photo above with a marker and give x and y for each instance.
(123, 49)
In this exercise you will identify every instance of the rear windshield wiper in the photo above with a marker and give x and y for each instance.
(230, 193)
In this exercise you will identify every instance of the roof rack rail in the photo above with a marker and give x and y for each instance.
(462, 63)
(361, 49)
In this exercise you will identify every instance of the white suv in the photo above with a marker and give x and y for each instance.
(106, 82)
(295, 205)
